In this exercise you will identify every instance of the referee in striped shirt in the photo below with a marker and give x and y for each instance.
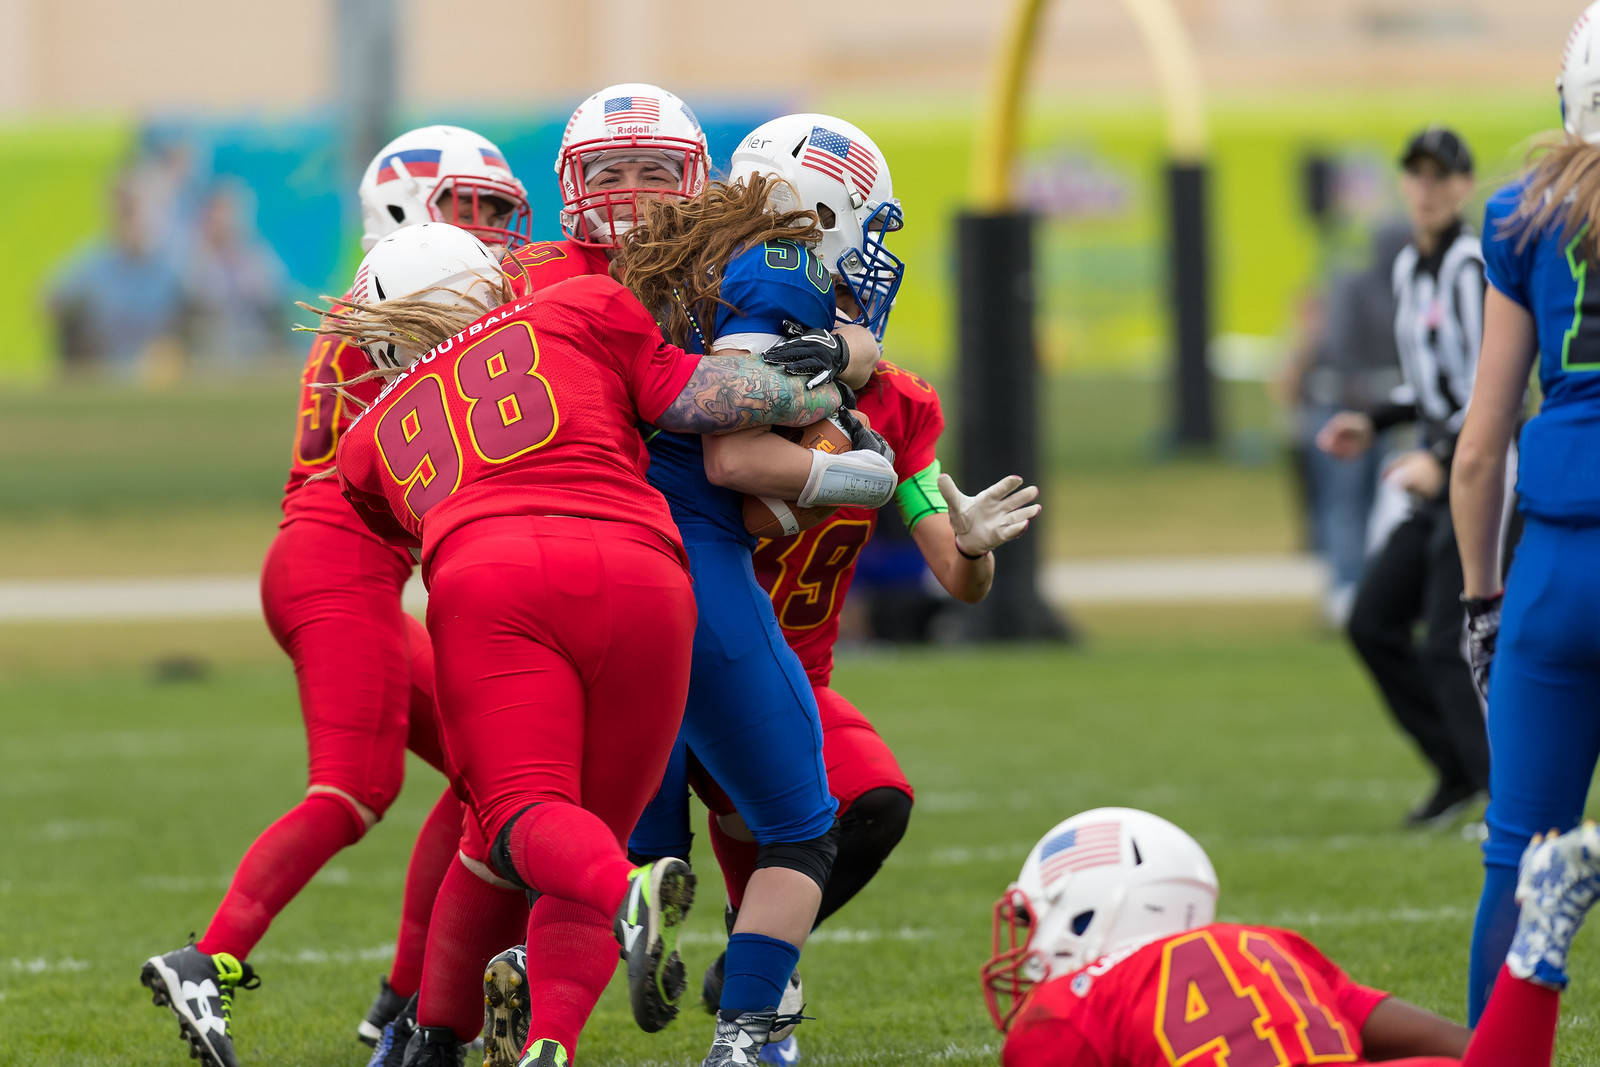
(1416, 575)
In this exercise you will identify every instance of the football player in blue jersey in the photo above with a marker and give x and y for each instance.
(1543, 630)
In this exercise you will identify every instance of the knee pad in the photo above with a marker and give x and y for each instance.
(500, 854)
(877, 820)
(813, 858)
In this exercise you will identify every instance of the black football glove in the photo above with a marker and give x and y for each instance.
(813, 354)
(863, 439)
(1483, 630)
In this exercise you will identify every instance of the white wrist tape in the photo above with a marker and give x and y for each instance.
(857, 478)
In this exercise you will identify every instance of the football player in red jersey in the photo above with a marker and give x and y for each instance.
(510, 452)
(331, 593)
(1106, 954)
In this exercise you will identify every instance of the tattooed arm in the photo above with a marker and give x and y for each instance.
(733, 393)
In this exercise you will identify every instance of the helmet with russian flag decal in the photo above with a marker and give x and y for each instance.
(834, 169)
(1104, 881)
(444, 174)
(1579, 83)
(628, 123)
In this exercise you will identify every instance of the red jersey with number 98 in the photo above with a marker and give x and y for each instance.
(322, 416)
(809, 573)
(1243, 996)
(531, 410)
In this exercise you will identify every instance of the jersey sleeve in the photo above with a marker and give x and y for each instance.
(924, 424)
(540, 265)
(765, 286)
(1505, 265)
(655, 371)
(357, 482)
(1354, 1001)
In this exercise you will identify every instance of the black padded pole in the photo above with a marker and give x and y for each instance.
(1194, 421)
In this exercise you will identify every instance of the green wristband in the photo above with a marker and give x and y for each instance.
(918, 496)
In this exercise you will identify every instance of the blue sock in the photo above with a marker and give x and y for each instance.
(1491, 936)
(756, 971)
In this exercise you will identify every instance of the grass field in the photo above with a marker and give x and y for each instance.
(127, 801)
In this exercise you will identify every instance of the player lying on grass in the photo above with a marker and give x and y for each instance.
(331, 592)
(1106, 954)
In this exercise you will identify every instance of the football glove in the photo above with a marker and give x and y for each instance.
(1483, 630)
(813, 354)
(863, 438)
(984, 522)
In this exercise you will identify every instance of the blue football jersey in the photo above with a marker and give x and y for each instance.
(763, 286)
(1558, 467)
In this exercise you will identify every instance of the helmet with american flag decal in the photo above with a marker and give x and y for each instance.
(834, 169)
(632, 122)
(1107, 880)
(444, 174)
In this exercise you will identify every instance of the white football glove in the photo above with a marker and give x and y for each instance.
(984, 522)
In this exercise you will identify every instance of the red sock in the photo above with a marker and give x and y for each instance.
(472, 923)
(568, 852)
(571, 957)
(276, 867)
(1518, 1028)
(736, 858)
(430, 858)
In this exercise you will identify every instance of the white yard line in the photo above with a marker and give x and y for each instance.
(1108, 581)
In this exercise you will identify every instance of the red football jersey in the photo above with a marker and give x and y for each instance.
(323, 415)
(1244, 996)
(531, 410)
(809, 573)
(543, 263)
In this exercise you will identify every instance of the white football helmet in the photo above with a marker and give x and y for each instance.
(432, 261)
(623, 123)
(1106, 880)
(1579, 83)
(444, 174)
(834, 169)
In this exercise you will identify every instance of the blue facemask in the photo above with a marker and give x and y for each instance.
(873, 273)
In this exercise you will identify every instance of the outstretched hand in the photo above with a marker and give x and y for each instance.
(999, 514)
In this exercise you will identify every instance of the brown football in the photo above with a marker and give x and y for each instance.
(766, 517)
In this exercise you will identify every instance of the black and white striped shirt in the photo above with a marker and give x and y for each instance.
(1438, 327)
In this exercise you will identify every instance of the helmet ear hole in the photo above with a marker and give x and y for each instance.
(1081, 921)
(826, 216)
(397, 213)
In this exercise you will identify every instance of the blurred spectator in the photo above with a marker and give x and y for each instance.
(115, 298)
(1346, 361)
(234, 287)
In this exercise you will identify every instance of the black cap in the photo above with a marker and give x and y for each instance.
(1443, 146)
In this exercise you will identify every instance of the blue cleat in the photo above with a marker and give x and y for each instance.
(1557, 884)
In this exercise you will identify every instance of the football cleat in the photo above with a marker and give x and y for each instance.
(385, 1006)
(790, 1008)
(1557, 883)
(434, 1046)
(658, 899)
(505, 1008)
(199, 989)
(545, 1052)
(1442, 807)
(740, 1038)
(390, 1050)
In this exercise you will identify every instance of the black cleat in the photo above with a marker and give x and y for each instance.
(711, 984)
(1442, 807)
(505, 1008)
(385, 1006)
(546, 1052)
(390, 1049)
(740, 1038)
(199, 990)
(434, 1046)
(647, 926)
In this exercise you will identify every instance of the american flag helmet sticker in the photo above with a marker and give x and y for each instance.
(836, 155)
(623, 110)
(1097, 844)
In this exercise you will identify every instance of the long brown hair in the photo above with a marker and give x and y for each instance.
(413, 322)
(673, 259)
(1563, 186)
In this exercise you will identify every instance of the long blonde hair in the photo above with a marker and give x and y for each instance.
(1563, 186)
(414, 322)
(673, 260)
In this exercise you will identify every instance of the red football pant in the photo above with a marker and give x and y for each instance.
(332, 601)
(364, 667)
(562, 651)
